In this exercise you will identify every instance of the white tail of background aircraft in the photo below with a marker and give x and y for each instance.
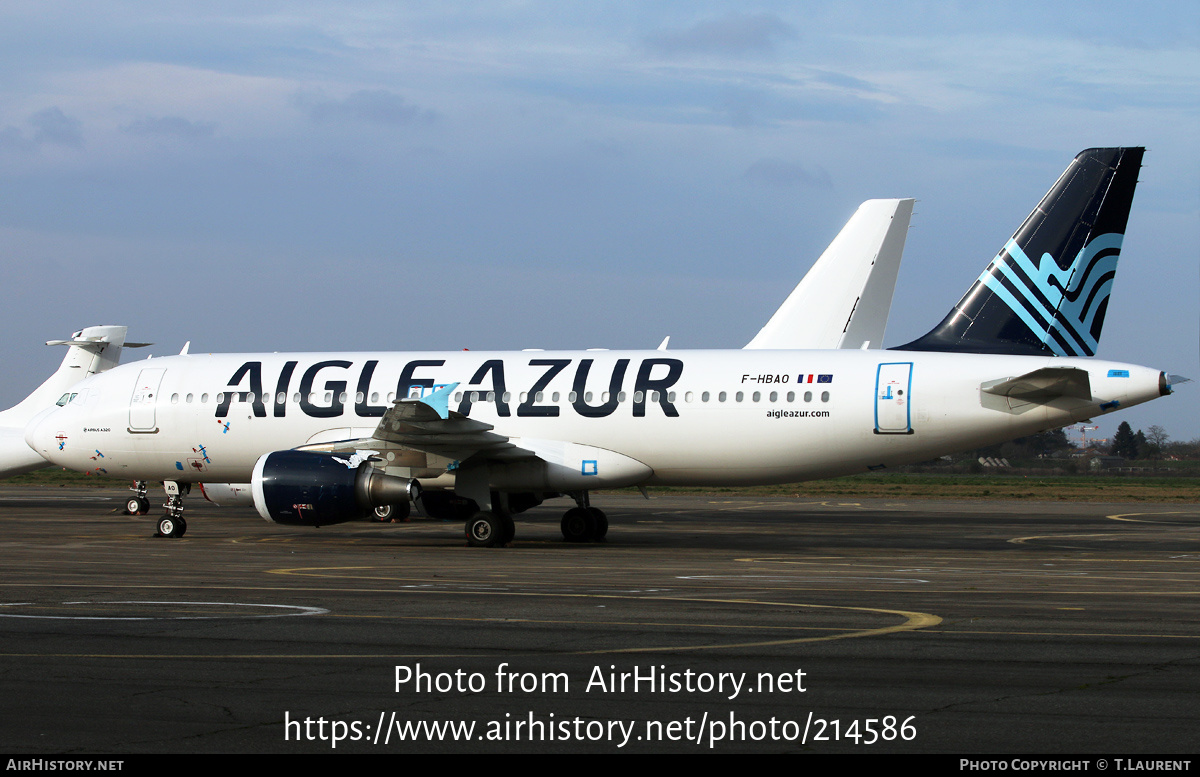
(844, 299)
(89, 351)
(324, 438)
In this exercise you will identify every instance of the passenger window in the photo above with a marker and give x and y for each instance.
(704, 397)
(721, 397)
(824, 396)
(791, 397)
(808, 396)
(774, 396)
(739, 396)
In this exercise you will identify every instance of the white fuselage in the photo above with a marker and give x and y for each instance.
(691, 417)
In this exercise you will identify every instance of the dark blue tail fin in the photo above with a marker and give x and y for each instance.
(1046, 292)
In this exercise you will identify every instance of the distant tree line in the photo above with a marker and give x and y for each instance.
(1035, 446)
(1154, 443)
(1151, 444)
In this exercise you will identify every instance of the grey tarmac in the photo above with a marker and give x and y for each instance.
(992, 627)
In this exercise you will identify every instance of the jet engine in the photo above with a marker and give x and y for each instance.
(305, 488)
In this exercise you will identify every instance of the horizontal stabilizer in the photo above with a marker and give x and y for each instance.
(1043, 385)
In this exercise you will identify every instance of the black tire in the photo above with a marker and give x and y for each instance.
(601, 526)
(143, 505)
(133, 505)
(484, 530)
(578, 525)
(166, 526)
(391, 513)
(510, 529)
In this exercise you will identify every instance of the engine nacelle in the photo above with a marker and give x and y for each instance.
(305, 488)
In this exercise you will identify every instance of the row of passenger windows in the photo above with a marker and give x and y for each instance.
(688, 396)
(280, 398)
(490, 396)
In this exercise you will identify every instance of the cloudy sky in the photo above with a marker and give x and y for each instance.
(362, 175)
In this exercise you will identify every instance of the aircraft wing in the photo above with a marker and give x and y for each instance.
(844, 299)
(427, 424)
(424, 438)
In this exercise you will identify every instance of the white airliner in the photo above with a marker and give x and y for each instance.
(842, 302)
(324, 438)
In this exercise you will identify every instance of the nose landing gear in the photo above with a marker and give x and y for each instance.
(172, 524)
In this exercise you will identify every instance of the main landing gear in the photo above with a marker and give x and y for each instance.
(488, 529)
(391, 513)
(584, 523)
(494, 528)
(172, 524)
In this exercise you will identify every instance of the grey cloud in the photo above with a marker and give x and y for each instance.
(51, 125)
(377, 106)
(737, 34)
(12, 139)
(171, 126)
(786, 175)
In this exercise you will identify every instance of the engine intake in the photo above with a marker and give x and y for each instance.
(305, 488)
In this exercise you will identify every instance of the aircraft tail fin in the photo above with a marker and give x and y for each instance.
(89, 351)
(1047, 290)
(844, 299)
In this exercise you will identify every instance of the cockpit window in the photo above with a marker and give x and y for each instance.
(65, 398)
